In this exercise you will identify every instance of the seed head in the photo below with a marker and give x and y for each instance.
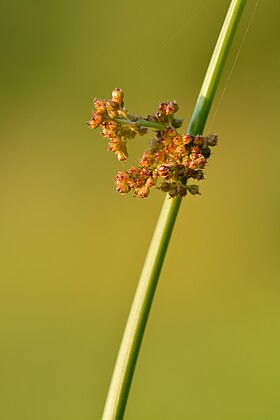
(117, 95)
(170, 160)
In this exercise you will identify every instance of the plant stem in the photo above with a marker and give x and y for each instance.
(215, 67)
(133, 334)
(143, 123)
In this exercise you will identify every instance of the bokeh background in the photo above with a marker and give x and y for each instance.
(72, 248)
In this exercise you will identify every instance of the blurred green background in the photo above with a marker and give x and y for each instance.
(72, 248)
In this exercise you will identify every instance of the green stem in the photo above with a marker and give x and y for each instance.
(143, 123)
(151, 124)
(133, 334)
(215, 67)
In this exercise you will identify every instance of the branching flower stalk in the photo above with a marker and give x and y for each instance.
(169, 162)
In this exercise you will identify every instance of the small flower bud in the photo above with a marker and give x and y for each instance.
(199, 175)
(168, 150)
(196, 150)
(159, 156)
(133, 171)
(193, 189)
(122, 176)
(145, 161)
(180, 150)
(144, 172)
(143, 191)
(100, 106)
(212, 140)
(113, 114)
(200, 161)
(171, 108)
(198, 140)
(95, 121)
(163, 170)
(150, 182)
(118, 146)
(112, 105)
(187, 138)
(165, 186)
(177, 140)
(185, 161)
(173, 192)
(176, 122)
(117, 95)
(121, 182)
(162, 108)
(206, 152)
(122, 156)
(181, 190)
(192, 164)
(170, 132)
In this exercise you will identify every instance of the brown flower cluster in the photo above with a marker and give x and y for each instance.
(117, 124)
(168, 164)
(170, 160)
(165, 115)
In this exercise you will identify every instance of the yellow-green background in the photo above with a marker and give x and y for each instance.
(72, 248)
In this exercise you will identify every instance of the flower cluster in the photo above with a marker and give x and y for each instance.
(168, 164)
(165, 115)
(118, 125)
(170, 160)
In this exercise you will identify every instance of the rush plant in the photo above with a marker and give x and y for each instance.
(169, 162)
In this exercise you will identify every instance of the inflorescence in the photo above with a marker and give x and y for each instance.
(170, 160)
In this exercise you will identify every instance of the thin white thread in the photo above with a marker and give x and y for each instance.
(233, 66)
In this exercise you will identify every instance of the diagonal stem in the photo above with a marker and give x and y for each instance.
(133, 334)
